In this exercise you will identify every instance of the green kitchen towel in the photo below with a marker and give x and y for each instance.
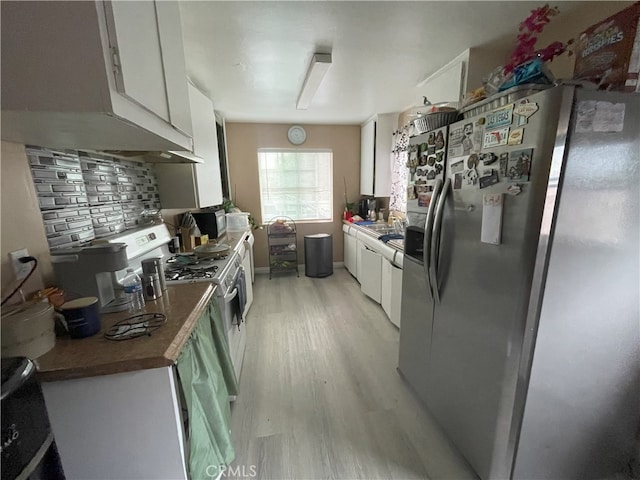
(207, 398)
(222, 347)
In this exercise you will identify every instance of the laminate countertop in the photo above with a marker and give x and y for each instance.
(93, 356)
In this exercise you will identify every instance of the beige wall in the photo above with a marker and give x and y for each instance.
(243, 142)
(21, 219)
(570, 25)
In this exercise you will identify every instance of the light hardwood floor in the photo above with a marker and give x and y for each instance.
(319, 393)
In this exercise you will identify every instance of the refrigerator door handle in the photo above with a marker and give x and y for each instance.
(435, 242)
(428, 229)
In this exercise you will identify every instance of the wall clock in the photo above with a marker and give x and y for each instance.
(297, 135)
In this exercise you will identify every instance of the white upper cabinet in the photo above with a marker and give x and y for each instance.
(198, 185)
(462, 74)
(94, 75)
(375, 155)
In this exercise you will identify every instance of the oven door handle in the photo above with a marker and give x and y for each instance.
(231, 296)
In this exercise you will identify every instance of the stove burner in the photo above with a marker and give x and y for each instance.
(136, 326)
(192, 261)
(191, 272)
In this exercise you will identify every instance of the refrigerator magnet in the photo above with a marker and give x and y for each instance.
(515, 136)
(491, 230)
(457, 181)
(431, 149)
(457, 167)
(471, 176)
(523, 110)
(499, 118)
(488, 178)
(424, 199)
(504, 160)
(495, 138)
(467, 139)
(472, 161)
(488, 158)
(514, 189)
(519, 165)
(455, 142)
(439, 140)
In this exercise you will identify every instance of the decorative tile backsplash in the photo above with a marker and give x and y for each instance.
(84, 196)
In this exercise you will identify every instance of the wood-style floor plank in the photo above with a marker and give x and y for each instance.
(320, 397)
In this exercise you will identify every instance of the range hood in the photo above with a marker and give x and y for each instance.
(173, 156)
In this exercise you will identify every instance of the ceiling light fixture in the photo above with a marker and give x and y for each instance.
(320, 63)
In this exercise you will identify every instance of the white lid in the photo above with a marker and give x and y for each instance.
(79, 303)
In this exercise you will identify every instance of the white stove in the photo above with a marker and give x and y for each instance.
(225, 271)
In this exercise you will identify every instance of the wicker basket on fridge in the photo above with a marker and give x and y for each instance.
(431, 121)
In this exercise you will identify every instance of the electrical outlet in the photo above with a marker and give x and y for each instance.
(20, 270)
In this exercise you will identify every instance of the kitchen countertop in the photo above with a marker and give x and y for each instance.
(93, 356)
(397, 244)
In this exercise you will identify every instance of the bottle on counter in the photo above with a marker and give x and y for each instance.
(133, 290)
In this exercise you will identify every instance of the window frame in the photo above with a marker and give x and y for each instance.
(297, 150)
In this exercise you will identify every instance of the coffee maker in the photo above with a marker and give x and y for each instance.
(367, 208)
(98, 270)
(87, 271)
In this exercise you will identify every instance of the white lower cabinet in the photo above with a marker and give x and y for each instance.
(350, 254)
(371, 270)
(391, 295)
(380, 278)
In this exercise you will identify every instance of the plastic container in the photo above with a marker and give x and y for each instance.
(133, 290)
(237, 222)
(27, 330)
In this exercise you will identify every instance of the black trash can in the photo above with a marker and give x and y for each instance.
(318, 255)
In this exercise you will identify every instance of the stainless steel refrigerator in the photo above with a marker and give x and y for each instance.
(520, 311)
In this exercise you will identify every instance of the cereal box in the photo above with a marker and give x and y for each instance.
(608, 53)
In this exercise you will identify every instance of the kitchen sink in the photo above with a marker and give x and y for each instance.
(380, 228)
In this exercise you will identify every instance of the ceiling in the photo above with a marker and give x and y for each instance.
(251, 58)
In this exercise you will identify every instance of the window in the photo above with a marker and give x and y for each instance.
(296, 184)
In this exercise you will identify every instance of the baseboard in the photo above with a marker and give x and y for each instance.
(265, 270)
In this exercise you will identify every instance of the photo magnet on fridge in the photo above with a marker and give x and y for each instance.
(519, 165)
(424, 199)
(457, 167)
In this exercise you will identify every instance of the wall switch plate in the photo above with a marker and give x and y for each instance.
(20, 270)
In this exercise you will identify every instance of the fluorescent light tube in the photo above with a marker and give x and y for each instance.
(317, 70)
